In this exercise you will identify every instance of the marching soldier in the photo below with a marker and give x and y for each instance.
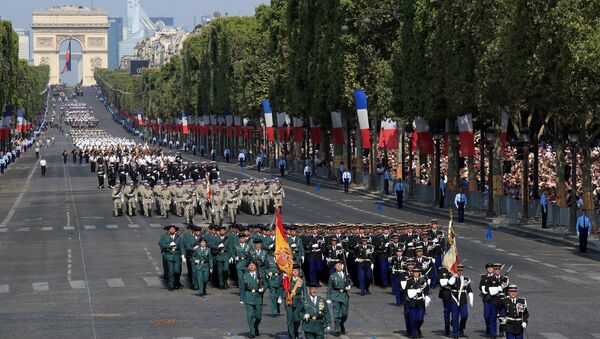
(217, 207)
(492, 290)
(232, 203)
(313, 250)
(274, 279)
(417, 291)
(397, 267)
(117, 195)
(295, 243)
(202, 262)
(333, 253)
(439, 240)
(241, 256)
(100, 173)
(253, 285)
(278, 194)
(189, 240)
(381, 243)
(259, 256)
(460, 288)
(424, 263)
(147, 199)
(363, 254)
(221, 262)
(337, 293)
(172, 255)
(446, 296)
(294, 302)
(404, 278)
(131, 195)
(514, 313)
(316, 317)
(188, 207)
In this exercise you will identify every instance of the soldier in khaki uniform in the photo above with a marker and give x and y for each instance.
(217, 207)
(147, 199)
(177, 195)
(165, 200)
(117, 195)
(255, 194)
(266, 196)
(278, 194)
(130, 193)
(188, 206)
(232, 202)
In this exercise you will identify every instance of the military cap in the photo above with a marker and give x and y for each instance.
(399, 249)
(291, 227)
(395, 236)
(296, 267)
(333, 239)
(460, 266)
(242, 235)
(314, 284)
(257, 241)
(489, 265)
(197, 228)
(166, 228)
(416, 269)
(189, 226)
(418, 248)
(410, 261)
(497, 265)
(512, 287)
(434, 221)
(364, 237)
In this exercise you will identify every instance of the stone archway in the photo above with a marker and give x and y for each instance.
(89, 27)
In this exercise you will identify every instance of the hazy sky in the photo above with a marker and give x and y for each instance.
(19, 12)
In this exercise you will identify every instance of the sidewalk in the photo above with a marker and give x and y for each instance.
(532, 228)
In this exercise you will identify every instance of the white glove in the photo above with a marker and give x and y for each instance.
(183, 258)
(237, 258)
(411, 292)
(303, 259)
(493, 290)
(443, 282)
(172, 244)
(428, 281)
(471, 299)
(306, 316)
(372, 267)
(210, 271)
(524, 324)
(433, 260)
(279, 301)
(315, 245)
(452, 280)
(427, 301)
(328, 301)
(403, 284)
(483, 290)
(328, 328)
(231, 260)
(348, 288)
(260, 290)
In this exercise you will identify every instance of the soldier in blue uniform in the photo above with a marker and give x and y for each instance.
(363, 256)
(417, 292)
(314, 244)
(460, 287)
(404, 278)
(397, 268)
(446, 296)
(513, 313)
(460, 201)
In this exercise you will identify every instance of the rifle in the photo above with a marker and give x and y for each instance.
(346, 275)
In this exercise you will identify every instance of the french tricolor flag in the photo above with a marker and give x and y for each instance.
(268, 119)
(466, 135)
(424, 138)
(283, 125)
(315, 133)
(360, 96)
(337, 131)
(298, 130)
(229, 121)
(388, 135)
(184, 123)
(20, 119)
(139, 118)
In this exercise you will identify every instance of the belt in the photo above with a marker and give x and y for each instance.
(253, 290)
(275, 274)
(514, 319)
(315, 318)
(341, 290)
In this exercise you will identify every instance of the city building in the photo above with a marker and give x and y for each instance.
(24, 44)
(115, 36)
(159, 48)
(168, 21)
(139, 26)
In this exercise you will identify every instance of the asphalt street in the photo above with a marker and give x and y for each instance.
(72, 270)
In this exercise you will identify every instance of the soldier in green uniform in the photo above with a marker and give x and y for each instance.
(117, 195)
(221, 264)
(202, 261)
(188, 241)
(259, 256)
(316, 316)
(274, 279)
(253, 284)
(172, 254)
(294, 302)
(337, 293)
(131, 195)
(241, 255)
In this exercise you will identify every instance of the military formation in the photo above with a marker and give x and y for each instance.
(78, 115)
(407, 258)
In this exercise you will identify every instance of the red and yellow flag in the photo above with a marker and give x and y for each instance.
(283, 252)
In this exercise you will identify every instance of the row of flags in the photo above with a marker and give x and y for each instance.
(22, 126)
(292, 128)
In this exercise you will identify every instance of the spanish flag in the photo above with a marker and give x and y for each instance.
(283, 252)
(450, 260)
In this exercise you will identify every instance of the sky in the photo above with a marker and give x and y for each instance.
(19, 12)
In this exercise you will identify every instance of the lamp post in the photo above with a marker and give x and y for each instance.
(411, 155)
(490, 138)
(524, 137)
(438, 138)
(573, 140)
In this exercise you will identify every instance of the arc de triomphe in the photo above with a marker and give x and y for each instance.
(51, 27)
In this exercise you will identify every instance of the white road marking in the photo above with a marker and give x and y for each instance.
(499, 250)
(491, 246)
(155, 225)
(553, 335)
(47, 228)
(22, 229)
(4, 289)
(595, 335)
(133, 226)
(77, 284)
(3, 230)
(68, 228)
(40, 286)
(112, 226)
(477, 241)
(549, 265)
(595, 277)
(569, 271)
(531, 259)
(115, 282)
(89, 227)
(514, 254)
(152, 281)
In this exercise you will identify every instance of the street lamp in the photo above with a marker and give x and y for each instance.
(524, 138)
(573, 140)
(490, 139)
(437, 177)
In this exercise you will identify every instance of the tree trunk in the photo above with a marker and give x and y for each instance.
(471, 175)
(586, 173)
(452, 157)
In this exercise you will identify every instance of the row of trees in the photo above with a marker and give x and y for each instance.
(537, 59)
(21, 85)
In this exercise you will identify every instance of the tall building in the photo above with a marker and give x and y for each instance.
(115, 36)
(169, 21)
(24, 41)
(139, 26)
